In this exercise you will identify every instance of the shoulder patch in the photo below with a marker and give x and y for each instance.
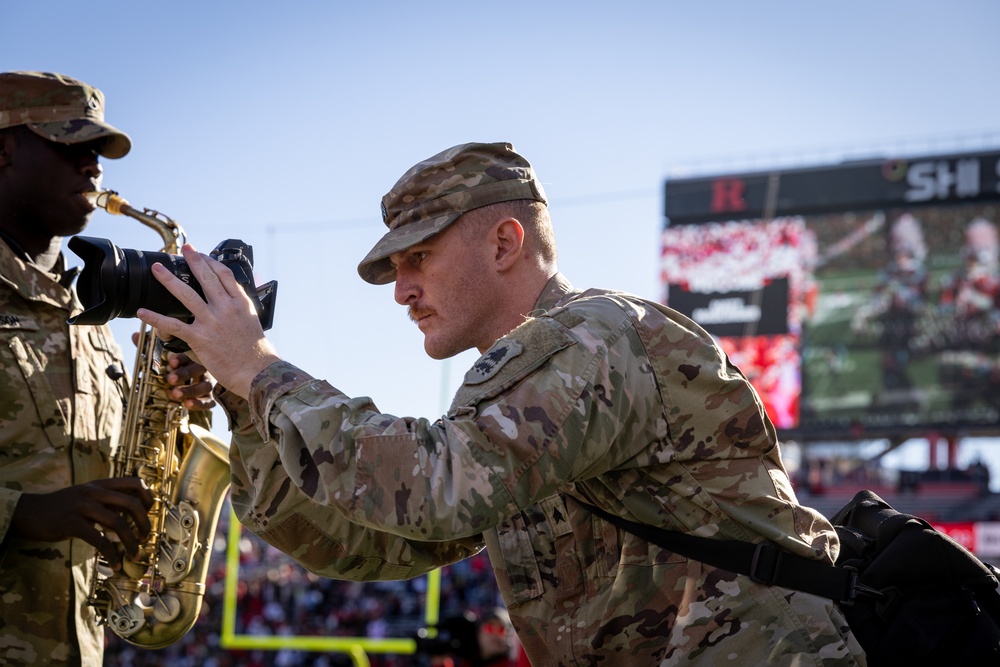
(490, 363)
(512, 358)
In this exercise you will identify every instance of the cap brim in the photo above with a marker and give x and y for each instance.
(376, 268)
(117, 144)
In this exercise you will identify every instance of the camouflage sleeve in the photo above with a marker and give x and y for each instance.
(535, 414)
(317, 535)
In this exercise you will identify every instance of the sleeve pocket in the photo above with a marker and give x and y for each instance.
(523, 577)
(39, 398)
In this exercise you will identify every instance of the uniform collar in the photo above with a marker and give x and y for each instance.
(553, 293)
(34, 284)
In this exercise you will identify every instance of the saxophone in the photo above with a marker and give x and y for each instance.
(156, 597)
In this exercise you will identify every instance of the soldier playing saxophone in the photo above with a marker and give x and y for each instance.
(60, 408)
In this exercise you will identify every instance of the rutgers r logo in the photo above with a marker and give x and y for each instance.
(727, 195)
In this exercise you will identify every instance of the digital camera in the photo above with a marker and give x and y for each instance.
(116, 282)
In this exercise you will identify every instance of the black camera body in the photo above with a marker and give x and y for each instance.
(116, 282)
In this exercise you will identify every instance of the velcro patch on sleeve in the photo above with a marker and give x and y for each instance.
(511, 358)
(490, 363)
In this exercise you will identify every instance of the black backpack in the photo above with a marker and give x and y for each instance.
(912, 596)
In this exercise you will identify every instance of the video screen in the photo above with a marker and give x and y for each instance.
(856, 322)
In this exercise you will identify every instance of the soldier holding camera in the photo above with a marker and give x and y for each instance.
(61, 408)
(592, 396)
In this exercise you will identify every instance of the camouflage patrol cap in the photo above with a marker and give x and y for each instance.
(437, 191)
(59, 109)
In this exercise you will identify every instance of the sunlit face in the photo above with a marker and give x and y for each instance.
(451, 291)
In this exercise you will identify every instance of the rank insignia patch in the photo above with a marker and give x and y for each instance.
(490, 363)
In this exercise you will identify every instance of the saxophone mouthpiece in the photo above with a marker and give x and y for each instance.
(108, 200)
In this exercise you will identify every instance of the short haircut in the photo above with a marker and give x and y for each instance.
(533, 216)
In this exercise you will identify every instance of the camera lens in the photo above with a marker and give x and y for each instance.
(116, 283)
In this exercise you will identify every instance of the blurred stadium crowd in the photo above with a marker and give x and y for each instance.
(277, 597)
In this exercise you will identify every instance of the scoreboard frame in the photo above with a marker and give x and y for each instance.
(847, 293)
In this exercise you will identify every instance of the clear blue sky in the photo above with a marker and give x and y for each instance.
(284, 123)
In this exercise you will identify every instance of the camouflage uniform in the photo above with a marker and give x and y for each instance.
(605, 397)
(60, 415)
(600, 396)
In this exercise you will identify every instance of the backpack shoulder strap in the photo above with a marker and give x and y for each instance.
(765, 563)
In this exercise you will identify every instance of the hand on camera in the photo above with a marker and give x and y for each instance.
(226, 333)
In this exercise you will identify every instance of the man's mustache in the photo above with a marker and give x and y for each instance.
(415, 313)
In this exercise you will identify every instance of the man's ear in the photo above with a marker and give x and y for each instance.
(509, 238)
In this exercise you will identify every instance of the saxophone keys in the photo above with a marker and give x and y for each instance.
(127, 620)
(182, 522)
(166, 608)
(133, 570)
